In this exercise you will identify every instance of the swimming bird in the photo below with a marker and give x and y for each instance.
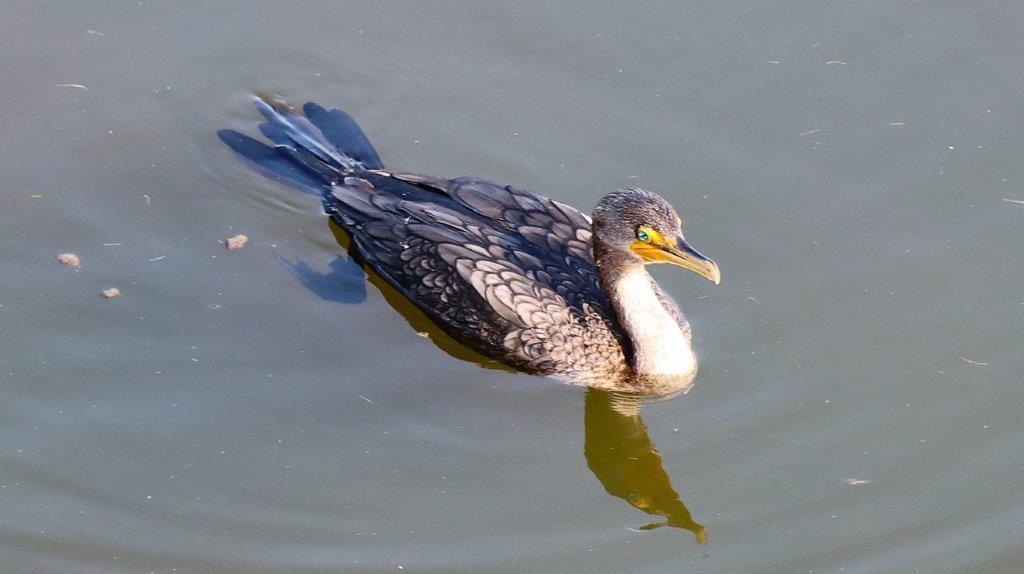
(523, 279)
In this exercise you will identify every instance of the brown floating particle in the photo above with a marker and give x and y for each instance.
(69, 259)
(110, 293)
(237, 242)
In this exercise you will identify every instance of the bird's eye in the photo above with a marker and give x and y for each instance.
(643, 235)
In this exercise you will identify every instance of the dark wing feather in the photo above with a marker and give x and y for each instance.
(459, 257)
(554, 239)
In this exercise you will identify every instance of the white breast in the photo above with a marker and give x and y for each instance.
(659, 346)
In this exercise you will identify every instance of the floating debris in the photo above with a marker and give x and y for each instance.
(365, 399)
(859, 481)
(76, 86)
(110, 293)
(1010, 200)
(897, 124)
(973, 362)
(69, 259)
(158, 258)
(835, 63)
(36, 196)
(237, 242)
(94, 33)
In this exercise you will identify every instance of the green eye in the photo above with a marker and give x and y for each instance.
(643, 235)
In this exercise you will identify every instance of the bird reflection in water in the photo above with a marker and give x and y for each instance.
(622, 457)
(617, 447)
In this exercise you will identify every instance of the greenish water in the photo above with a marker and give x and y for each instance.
(855, 169)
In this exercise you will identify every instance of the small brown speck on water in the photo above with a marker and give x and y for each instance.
(110, 293)
(69, 259)
(237, 242)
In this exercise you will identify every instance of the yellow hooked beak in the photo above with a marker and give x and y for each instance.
(678, 252)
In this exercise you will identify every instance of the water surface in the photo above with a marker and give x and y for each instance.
(848, 165)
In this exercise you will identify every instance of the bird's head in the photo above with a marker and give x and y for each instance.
(645, 226)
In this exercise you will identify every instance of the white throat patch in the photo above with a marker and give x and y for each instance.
(659, 346)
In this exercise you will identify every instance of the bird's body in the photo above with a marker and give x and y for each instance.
(522, 279)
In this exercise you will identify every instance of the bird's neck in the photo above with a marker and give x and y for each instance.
(659, 347)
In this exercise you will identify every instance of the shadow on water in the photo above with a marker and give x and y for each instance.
(343, 283)
(617, 447)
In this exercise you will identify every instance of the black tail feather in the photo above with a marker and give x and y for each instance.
(341, 130)
(287, 128)
(311, 151)
(272, 163)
